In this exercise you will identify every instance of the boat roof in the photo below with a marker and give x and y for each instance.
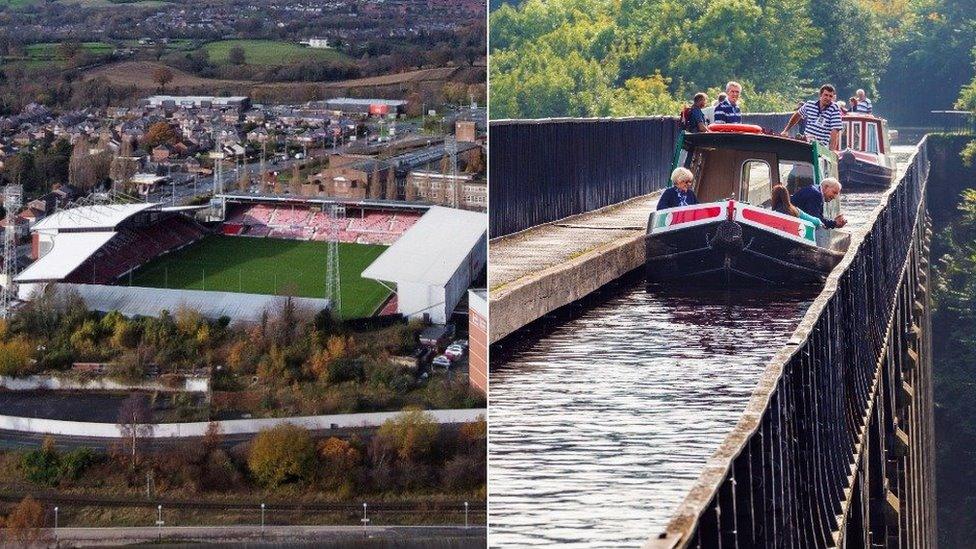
(785, 147)
(861, 116)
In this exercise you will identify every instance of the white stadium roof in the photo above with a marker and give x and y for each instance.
(70, 250)
(100, 216)
(432, 250)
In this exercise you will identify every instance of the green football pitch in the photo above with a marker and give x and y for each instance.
(268, 266)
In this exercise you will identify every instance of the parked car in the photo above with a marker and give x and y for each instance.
(454, 352)
(442, 361)
(463, 343)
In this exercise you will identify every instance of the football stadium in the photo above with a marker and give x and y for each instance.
(237, 255)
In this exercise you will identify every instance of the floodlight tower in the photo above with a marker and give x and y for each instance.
(450, 147)
(218, 179)
(332, 287)
(13, 196)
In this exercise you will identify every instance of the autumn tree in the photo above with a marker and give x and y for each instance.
(15, 357)
(24, 527)
(160, 133)
(282, 454)
(162, 75)
(68, 50)
(296, 180)
(411, 435)
(135, 420)
(81, 167)
(391, 186)
(340, 462)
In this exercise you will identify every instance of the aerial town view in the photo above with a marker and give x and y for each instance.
(243, 274)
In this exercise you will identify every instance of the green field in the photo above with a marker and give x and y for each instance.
(48, 50)
(268, 52)
(268, 266)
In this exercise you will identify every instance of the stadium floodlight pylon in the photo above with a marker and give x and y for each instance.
(332, 283)
(13, 198)
(451, 149)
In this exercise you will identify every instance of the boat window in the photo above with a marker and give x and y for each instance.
(795, 175)
(755, 186)
(854, 136)
(872, 139)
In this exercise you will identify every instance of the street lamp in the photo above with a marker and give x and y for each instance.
(262, 519)
(465, 514)
(56, 540)
(365, 520)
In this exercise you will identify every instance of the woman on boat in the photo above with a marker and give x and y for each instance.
(679, 194)
(780, 202)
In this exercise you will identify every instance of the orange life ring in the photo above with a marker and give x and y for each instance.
(737, 128)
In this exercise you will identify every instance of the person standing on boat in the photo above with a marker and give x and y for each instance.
(780, 202)
(727, 112)
(710, 111)
(863, 103)
(679, 194)
(811, 199)
(821, 119)
(694, 118)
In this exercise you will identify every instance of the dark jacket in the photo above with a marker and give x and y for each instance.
(811, 200)
(671, 198)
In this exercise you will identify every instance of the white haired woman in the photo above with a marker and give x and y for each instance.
(680, 193)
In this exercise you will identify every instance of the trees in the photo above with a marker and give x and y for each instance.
(236, 55)
(411, 435)
(282, 454)
(162, 75)
(340, 461)
(25, 524)
(135, 420)
(15, 357)
(160, 133)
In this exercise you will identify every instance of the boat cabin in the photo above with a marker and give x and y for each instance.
(745, 166)
(865, 133)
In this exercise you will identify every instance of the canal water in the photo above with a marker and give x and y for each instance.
(603, 414)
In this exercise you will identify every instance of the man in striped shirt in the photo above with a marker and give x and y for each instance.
(863, 103)
(727, 112)
(821, 119)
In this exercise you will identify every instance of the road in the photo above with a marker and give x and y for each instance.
(404, 536)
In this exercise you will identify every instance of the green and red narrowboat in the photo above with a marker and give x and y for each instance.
(867, 160)
(732, 237)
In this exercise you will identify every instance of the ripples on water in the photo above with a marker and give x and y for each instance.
(602, 417)
(600, 427)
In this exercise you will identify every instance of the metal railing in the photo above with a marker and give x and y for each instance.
(832, 443)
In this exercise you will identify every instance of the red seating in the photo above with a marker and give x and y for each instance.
(308, 223)
(134, 246)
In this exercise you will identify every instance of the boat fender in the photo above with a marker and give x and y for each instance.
(728, 236)
(738, 128)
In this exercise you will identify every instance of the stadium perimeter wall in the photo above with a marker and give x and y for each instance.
(227, 427)
(55, 383)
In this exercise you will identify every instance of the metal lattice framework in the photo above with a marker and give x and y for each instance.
(13, 196)
(332, 283)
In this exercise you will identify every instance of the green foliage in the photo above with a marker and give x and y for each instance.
(597, 58)
(282, 454)
(50, 467)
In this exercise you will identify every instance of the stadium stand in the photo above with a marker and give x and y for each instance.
(133, 246)
(295, 223)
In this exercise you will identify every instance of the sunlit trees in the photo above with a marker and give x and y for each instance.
(282, 454)
(24, 526)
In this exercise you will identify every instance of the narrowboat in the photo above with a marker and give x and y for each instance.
(732, 237)
(866, 160)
